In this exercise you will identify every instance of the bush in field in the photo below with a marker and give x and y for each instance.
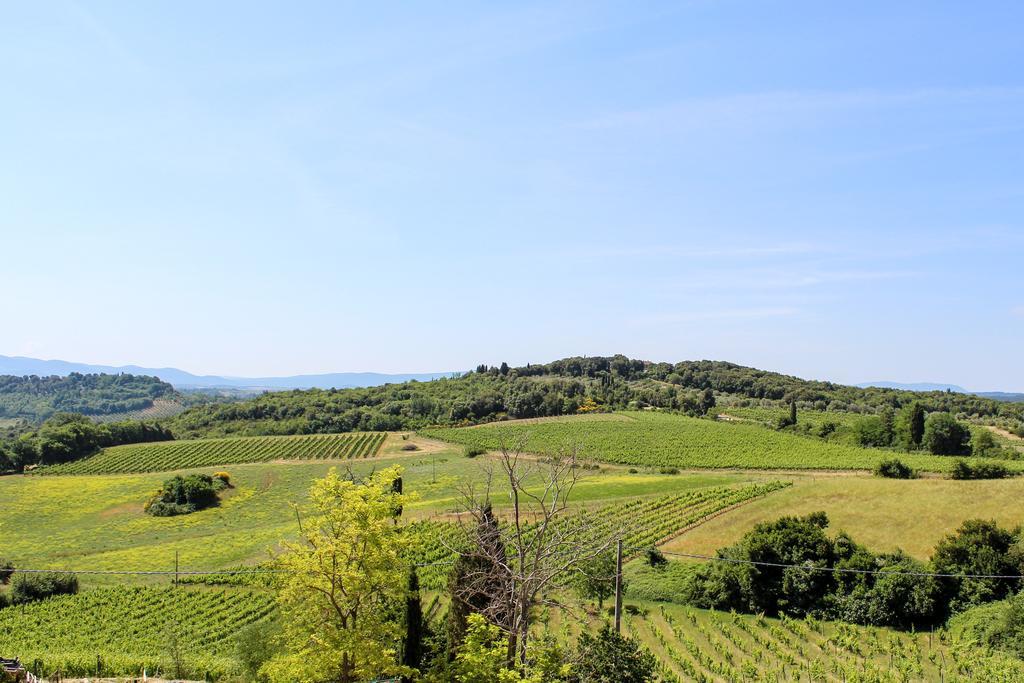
(32, 587)
(894, 469)
(473, 451)
(609, 656)
(981, 470)
(978, 547)
(182, 495)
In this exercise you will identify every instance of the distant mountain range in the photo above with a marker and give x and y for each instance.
(180, 379)
(929, 386)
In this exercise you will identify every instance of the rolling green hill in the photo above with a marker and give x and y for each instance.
(36, 398)
(557, 388)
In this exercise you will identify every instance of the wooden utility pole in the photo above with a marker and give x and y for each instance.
(175, 567)
(618, 586)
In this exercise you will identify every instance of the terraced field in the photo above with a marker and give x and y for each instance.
(131, 629)
(176, 455)
(661, 439)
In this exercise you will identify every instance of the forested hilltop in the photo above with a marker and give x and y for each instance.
(567, 386)
(34, 398)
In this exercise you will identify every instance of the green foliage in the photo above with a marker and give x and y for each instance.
(255, 645)
(979, 470)
(182, 495)
(943, 435)
(595, 578)
(66, 437)
(473, 451)
(667, 440)
(558, 388)
(177, 455)
(37, 398)
(999, 625)
(609, 657)
(6, 569)
(33, 587)
(871, 431)
(806, 585)
(127, 627)
(667, 582)
(339, 600)
(978, 547)
(482, 656)
(894, 469)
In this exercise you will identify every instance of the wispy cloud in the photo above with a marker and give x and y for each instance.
(741, 108)
(677, 251)
(675, 317)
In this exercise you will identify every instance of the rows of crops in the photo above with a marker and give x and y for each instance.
(161, 409)
(813, 419)
(176, 455)
(705, 646)
(662, 439)
(640, 523)
(132, 629)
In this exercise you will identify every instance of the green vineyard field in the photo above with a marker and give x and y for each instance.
(176, 455)
(663, 439)
(640, 523)
(131, 629)
(705, 646)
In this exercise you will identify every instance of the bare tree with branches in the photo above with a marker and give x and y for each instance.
(505, 568)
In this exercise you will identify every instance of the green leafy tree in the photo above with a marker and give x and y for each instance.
(978, 547)
(910, 425)
(346, 576)
(943, 435)
(595, 578)
(609, 657)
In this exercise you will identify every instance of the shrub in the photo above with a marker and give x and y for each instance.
(669, 470)
(894, 469)
(982, 470)
(473, 451)
(32, 587)
(6, 569)
(182, 495)
(633, 470)
(410, 447)
(224, 477)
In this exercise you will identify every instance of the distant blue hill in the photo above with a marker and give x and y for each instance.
(915, 386)
(1011, 397)
(20, 366)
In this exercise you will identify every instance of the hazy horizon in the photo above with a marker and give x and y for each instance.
(827, 191)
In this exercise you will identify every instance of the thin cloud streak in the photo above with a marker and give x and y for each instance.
(724, 315)
(743, 107)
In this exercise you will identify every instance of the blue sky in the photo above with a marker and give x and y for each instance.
(834, 190)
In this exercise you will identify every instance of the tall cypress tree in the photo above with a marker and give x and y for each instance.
(792, 412)
(475, 579)
(916, 424)
(412, 650)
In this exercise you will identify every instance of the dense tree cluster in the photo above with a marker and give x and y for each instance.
(36, 398)
(563, 387)
(791, 566)
(67, 436)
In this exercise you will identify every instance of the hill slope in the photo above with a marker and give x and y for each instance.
(558, 388)
(35, 398)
